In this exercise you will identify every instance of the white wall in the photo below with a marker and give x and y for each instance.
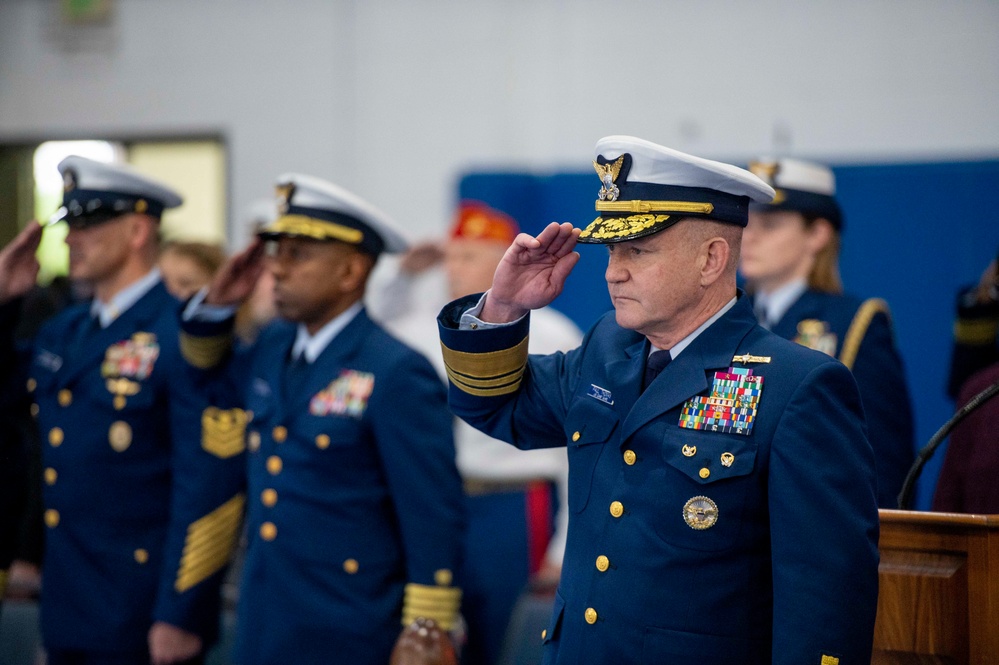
(394, 98)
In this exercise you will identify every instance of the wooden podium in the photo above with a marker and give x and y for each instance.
(939, 589)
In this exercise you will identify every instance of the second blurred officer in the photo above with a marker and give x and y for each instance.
(355, 518)
(142, 507)
(790, 254)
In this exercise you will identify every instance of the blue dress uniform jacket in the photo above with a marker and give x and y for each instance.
(780, 561)
(353, 494)
(141, 487)
(859, 334)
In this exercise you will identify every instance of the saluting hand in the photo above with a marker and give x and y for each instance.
(18, 265)
(238, 276)
(531, 273)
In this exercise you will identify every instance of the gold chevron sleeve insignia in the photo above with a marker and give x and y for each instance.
(222, 431)
(210, 543)
(204, 352)
(440, 603)
(487, 374)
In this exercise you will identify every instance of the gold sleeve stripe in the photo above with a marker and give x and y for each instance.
(490, 373)
(438, 603)
(223, 431)
(977, 333)
(858, 328)
(487, 387)
(210, 543)
(204, 352)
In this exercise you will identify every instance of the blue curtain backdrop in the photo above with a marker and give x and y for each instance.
(914, 235)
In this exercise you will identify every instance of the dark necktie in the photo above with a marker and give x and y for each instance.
(296, 373)
(655, 364)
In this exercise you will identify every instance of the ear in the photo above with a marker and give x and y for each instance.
(820, 233)
(713, 259)
(356, 269)
(140, 231)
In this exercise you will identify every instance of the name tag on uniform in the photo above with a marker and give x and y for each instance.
(346, 395)
(601, 394)
(49, 360)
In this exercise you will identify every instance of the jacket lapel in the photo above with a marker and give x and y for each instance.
(326, 368)
(686, 376)
(93, 343)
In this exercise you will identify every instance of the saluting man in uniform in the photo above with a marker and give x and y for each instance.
(355, 516)
(721, 485)
(142, 501)
(790, 258)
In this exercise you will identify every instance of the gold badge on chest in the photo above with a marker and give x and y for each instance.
(120, 436)
(700, 513)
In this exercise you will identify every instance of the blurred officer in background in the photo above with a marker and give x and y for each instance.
(967, 479)
(790, 259)
(708, 457)
(189, 266)
(141, 502)
(355, 518)
(516, 500)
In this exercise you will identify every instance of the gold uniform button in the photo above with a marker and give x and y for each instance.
(322, 442)
(52, 518)
(56, 437)
(590, 615)
(34, 410)
(32, 384)
(350, 566)
(274, 465)
(51, 475)
(443, 577)
(141, 556)
(65, 397)
(575, 436)
(280, 433)
(630, 457)
(617, 509)
(253, 441)
(119, 402)
(268, 497)
(705, 472)
(268, 531)
(603, 563)
(544, 633)
(120, 436)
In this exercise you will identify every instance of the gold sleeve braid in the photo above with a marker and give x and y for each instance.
(223, 431)
(210, 543)
(440, 603)
(487, 374)
(973, 332)
(204, 352)
(858, 328)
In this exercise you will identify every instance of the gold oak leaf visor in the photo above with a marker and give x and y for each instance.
(642, 209)
(319, 224)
